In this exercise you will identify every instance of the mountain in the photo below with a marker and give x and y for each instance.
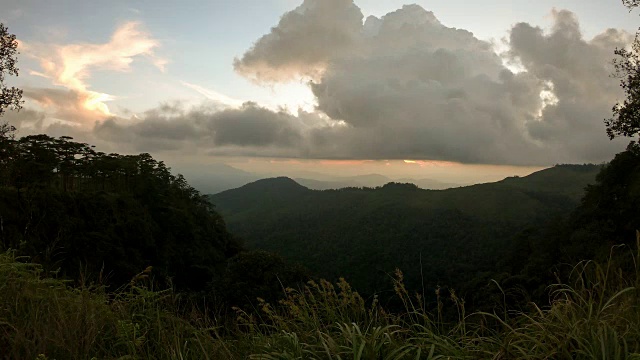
(454, 237)
(217, 177)
(326, 185)
(429, 184)
(324, 182)
(369, 180)
(327, 182)
(568, 180)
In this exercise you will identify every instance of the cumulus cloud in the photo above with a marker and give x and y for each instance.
(304, 41)
(402, 86)
(70, 66)
(407, 86)
(579, 72)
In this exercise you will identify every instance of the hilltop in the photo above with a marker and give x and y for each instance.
(363, 234)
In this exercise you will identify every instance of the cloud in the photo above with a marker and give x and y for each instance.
(303, 42)
(213, 95)
(402, 86)
(25, 119)
(579, 71)
(70, 66)
(426, 91)
(253, 126)
(249, 130)
(405, 86)
(82, 107)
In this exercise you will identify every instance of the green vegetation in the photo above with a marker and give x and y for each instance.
(107, 216)
(460, 238)
(108, 256)
(10, 97)
(76, 225)
(608, 214)
(594, 316)
(95, 283)
(102, 218)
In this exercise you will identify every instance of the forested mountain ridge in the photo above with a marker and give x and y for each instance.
(562, 185)
(107, 217)
(455, 236)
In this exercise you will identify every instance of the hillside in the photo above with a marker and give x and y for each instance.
(107, 217)
(363, 234)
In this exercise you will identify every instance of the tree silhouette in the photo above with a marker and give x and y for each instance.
(631, 3)
(626, 115)
(10, 97)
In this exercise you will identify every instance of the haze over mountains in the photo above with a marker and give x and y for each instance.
(217, 177)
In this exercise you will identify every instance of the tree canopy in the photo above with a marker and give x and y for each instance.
(86, 212)
(626, 114)
(10, 97)
(459, 238)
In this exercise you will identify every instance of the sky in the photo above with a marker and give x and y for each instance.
(455, 90)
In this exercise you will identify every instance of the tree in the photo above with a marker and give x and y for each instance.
(10, 97)
(626, 115)
(631, 3)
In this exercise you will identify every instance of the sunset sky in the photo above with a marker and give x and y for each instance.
(463, 91)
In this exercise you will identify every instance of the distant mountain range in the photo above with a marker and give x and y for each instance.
(218, 177)
(371, 180)
(364, 234)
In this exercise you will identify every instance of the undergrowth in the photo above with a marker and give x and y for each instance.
(593, 315)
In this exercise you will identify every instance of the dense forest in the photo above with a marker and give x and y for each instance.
(104, 218)
(519, 232)
(111, 256)
(109, 215)
(459, 238)
(90, 286)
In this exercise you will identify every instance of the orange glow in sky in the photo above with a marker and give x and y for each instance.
(429, 163)
(344, 162)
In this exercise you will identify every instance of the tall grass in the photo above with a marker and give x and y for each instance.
(41, 317)
(593, 315)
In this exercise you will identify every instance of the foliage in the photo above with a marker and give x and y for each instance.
(631, 3)
(455, 238)
(626, 118)
(258, 274)
(43, 318)
(107, 216)
(609, 211)
(594, 315)
(10, 97)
